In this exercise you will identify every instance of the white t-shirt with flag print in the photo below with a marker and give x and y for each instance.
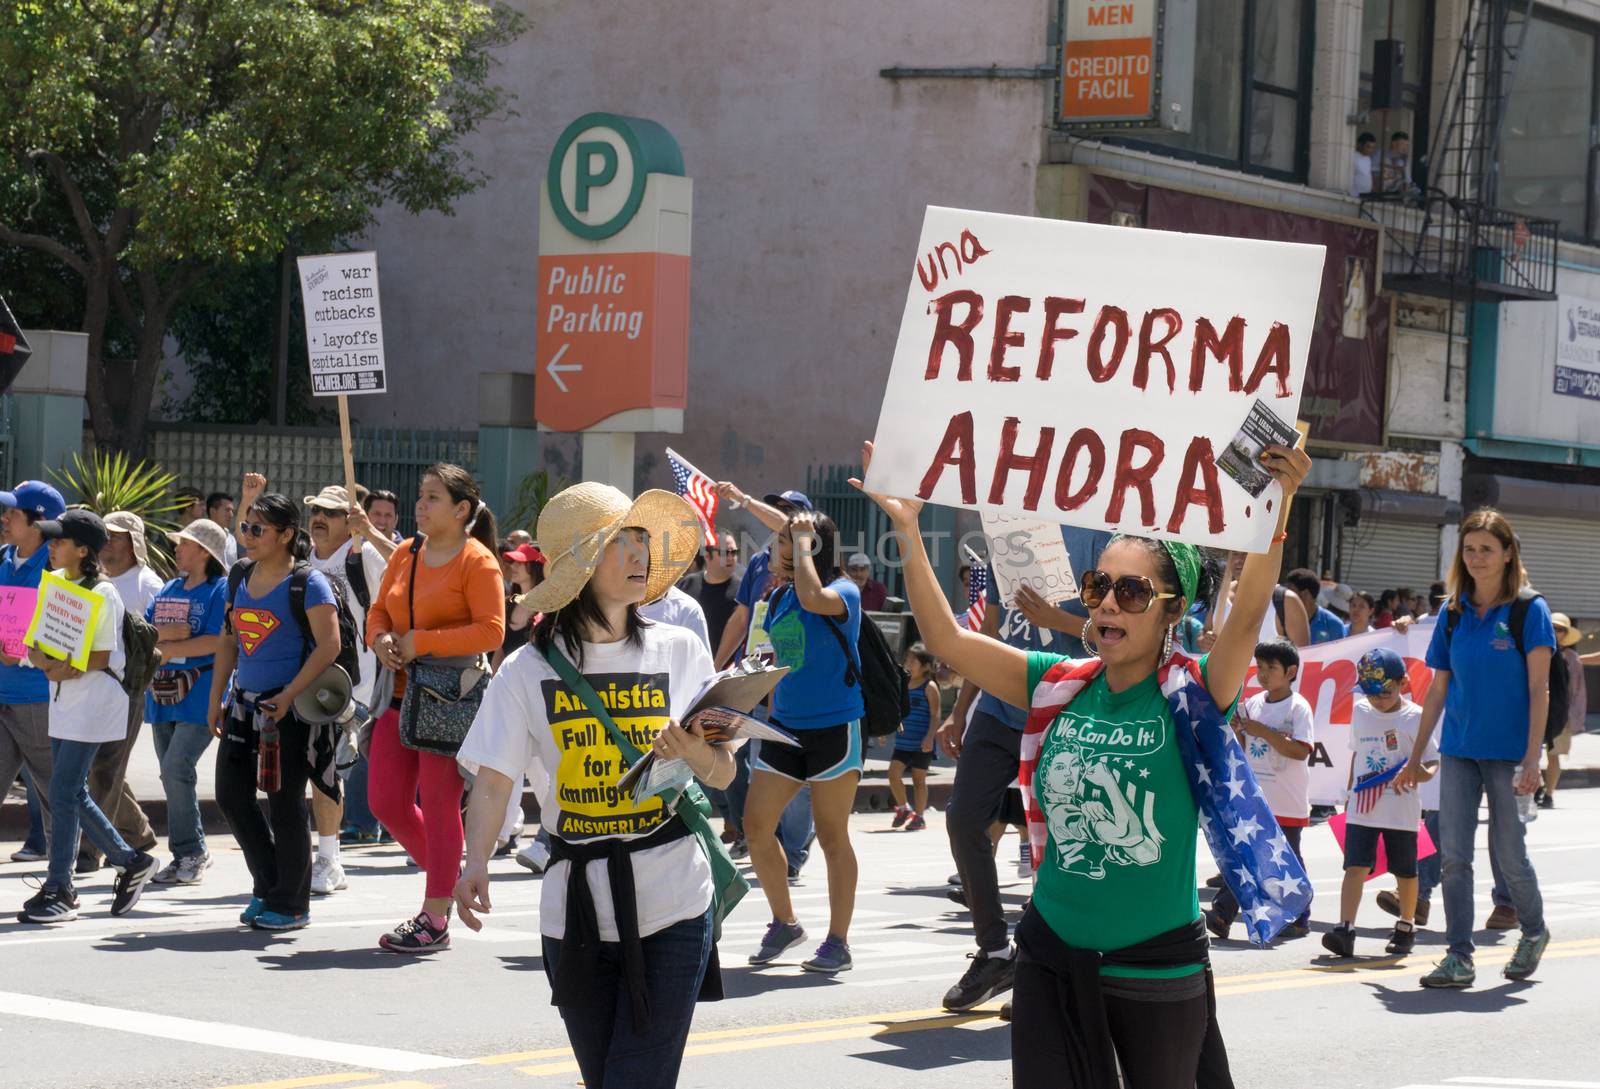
(1285, 782)
(1378, 741)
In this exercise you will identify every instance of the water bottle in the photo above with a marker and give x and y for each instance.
(268, 759)
(1527, 804)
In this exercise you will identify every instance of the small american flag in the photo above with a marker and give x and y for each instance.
(977, 591)
(1369, 789)
(700, 490)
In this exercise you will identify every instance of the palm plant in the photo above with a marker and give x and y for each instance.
(532, 494)
(112, 482)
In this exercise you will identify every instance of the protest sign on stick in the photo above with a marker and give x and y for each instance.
(65, 616)
(1093, 375)
(344, 334)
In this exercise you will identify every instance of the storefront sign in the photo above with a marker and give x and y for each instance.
(1578, 348)
(1126, 65)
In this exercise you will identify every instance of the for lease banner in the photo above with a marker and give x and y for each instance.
(1094, 375)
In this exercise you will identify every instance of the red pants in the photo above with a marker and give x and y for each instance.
(432, 834)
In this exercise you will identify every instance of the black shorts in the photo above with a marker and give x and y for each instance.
(1361, 849)
(824, 753)
(915, 759)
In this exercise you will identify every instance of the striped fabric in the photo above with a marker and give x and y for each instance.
(1254, 857)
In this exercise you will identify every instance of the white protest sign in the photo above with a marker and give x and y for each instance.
(1093, 375)
(344, 323)
(1027, 551)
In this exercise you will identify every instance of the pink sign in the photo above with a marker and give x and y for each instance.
(1425, 845)
(16, 612)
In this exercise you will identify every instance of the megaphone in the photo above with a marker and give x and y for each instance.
(327, 700)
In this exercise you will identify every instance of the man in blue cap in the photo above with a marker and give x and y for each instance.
(24, 691)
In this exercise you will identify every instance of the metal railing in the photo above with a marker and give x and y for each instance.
(392, 459)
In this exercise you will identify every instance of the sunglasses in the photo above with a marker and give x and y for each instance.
(1135, 593)
(255, 529)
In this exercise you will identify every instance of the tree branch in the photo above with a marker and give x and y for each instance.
(45, 245)
(80, 208)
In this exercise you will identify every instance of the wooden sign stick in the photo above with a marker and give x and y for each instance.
(349, 452)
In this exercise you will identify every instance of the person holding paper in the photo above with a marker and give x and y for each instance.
(88, 707)
(1111, 769)
(626, 907)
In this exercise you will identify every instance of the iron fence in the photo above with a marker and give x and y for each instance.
(392, 459)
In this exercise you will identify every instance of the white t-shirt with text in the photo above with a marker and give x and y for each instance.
(1284, 781)
(372, 566)
(1379, 741)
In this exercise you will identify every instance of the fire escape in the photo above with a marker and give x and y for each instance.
(1448, 239)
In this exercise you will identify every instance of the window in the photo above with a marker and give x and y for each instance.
(1547, 137)
(1411, 23)
(1252, 93)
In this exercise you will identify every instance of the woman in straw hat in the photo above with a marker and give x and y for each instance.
(187, 613)
(625, 908)
(1567, 640)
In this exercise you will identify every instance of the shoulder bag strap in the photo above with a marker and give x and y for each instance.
(585, 692)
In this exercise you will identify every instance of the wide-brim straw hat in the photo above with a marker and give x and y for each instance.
(577, 524)
(209, 536)
(1566, 634)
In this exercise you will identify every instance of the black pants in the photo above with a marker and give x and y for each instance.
(1157, 1042)
(985, 770)
(1227, 905)
(276, 845)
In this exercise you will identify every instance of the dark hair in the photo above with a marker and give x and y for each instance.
(214, 568)
(1304, 580)
(1280, 651)
(215, 498)
(829, 565)
(379, 495)
(279, 512)
(189, 495)
(1167, 573)
(90, 566)
(924, 657)
(1436, 593)
(1366, 137)
(1387, 598)
(1399, 136)
(578, 618)
(1364, 596)
(464, 489)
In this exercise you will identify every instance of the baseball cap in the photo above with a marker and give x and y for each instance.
(82, 526)
(524, 554)
(791, 498)
(858, 559)
(1378, 669)
(36, 498)
(333, 497)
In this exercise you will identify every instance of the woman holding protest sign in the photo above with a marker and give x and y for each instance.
(88, 707)
(1124, 757)
(627, 904)
(1490, 654)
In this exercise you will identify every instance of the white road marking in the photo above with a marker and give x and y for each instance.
(1534, 1083)
(218, 1034)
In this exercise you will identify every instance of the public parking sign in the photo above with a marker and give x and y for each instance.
(612, 335)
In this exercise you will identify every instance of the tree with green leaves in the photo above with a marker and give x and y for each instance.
(150, 146)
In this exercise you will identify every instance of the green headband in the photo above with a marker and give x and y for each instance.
(1186, 558)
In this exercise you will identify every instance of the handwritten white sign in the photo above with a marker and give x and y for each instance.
(1028, 552)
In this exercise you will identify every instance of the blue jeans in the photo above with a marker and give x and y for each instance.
(357, 814)
(610, 1052)
(1429, 869)
(179, 746)
(1462, 784)
(71, 805)
(36, 841)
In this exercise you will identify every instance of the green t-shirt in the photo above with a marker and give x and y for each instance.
(1119, 867)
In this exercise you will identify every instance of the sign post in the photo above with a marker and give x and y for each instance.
(612, 333)
(344, 335)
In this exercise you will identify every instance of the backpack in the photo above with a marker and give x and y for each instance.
(883, 680)
(1560, 699)
(139, 644)
(1278, 593)
(299, 577)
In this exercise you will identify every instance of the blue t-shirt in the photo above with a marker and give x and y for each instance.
(1486, 706)
(1326, 627)
(203, 609)
(20, 684)
(915, 726)
(1083, 547)
(814, 694)
(754, 580)
(271, 648)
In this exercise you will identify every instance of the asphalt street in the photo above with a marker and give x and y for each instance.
(176, 994)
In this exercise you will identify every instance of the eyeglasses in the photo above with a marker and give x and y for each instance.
(1135, 593)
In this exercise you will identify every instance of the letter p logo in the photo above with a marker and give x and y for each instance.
(588, 176)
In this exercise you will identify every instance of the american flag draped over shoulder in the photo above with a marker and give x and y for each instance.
(700, 490)
(1251, 851)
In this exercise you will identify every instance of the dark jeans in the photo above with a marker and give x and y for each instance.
(610, 1052)
(357, 813)
(1462, 785)
(35, 841)
(984, 772)
(108, 786)
(1430, 869)
(1227, 906)
(72, 807)
(276, 846)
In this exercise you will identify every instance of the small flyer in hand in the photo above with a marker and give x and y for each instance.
(1242, 458)
(1029, 552)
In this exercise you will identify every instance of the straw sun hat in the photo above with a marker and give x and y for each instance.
(1566, 634)
(577, 524)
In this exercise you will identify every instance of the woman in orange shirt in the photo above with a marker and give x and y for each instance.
(460, 613)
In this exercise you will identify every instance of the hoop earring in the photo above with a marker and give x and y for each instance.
(1090, 644)
(1166, 646)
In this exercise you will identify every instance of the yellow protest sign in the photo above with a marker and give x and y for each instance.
(64, 620)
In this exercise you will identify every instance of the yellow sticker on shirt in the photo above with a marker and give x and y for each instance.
(586, 774)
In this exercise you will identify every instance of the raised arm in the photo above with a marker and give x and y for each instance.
(767, 515)
(814, 597)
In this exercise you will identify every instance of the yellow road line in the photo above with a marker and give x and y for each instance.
(314, 1080)
(1322, 975)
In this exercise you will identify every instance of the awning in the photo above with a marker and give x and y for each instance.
(1518, 495)
(1388, 505)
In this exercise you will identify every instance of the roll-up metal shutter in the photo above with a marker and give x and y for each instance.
(1389, 555)
(1559, 554)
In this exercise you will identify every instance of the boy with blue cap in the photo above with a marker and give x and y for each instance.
(1383, 727)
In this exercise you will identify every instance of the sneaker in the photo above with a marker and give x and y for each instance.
(957, 894)
(252, 912)
(831, 957)
(1005, 1010)
(51, 904)
(779, 939)
(902, 813)
(130, 883)
(327, 876)
(953, 879)
(1402, 941)
(1544, 799)
(192, 869)
(1453, 971)
(426, 933)
(1218, 926)
(739, 849)
(535, 857)
(503, 847)
(916, 823)
(1295, 930)
(351, 836)
(1340, 941)
(1388, 901)
(984, 978)
(794, 875)
(1422, 912)
(167, 875)
(28, 854)
(1526, 958)
(277, 920)
(1502, 918)
(1214, 881)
